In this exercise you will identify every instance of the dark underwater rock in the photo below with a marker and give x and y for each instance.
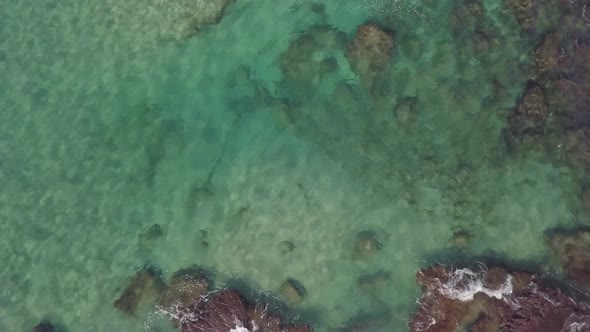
(184, 287)
(366, 244)
(370, 53)
(373, 280)
(142, 292)
(572, 250)
(292, 291)
(531, 113)
(302, 65)
(45, 327)
(492, 299)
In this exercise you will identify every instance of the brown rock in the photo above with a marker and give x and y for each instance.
(221, 312)
(493, 299)
(142, 292)
(263, 320)
(370, 53)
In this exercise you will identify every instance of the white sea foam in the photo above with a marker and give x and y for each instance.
(576, 323)
(464, 284)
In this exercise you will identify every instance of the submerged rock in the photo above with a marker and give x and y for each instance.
(305, 63)
(523, 11)
(461, 238)
(531, 113)
(184, 287)
(46, 327)
(547, 55)
(142, 291)
(285, 247)
(370, 53)
(572, 251)
(373, 280)
(366, 322)
(292, 291)
(366, 244)
(492, 299)
(149, 236)
(405, 109)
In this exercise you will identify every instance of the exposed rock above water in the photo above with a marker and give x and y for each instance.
(493, 299)
(227, 311)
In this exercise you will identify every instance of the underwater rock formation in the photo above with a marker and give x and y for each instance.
(45, 327)
(186, 17)
(531, 112)
(304, 63)
(292, 291)
(373, 280)
(366, 244)
(524, 12)
(184, 287)
(370, 53)
(366, 322)
(493, 299)
(142, 292)
(572, 250)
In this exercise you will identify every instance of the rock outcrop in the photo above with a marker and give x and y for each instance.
(227, 310)
(493, 299)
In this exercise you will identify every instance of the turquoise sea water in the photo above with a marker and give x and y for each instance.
(109, 124)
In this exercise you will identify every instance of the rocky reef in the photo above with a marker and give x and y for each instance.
(228, 310)
(193, 305)
(571, 249)
(494, 299)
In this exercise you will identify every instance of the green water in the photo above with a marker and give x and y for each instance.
(108, 125)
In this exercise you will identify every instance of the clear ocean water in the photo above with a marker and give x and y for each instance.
(110, 122)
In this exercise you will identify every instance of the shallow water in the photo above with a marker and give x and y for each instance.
(108, 126)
